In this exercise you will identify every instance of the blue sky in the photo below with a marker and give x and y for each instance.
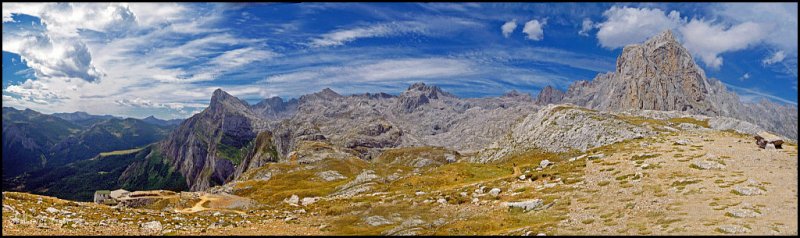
(165, 59)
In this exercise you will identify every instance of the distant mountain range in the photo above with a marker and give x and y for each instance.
(32, 140)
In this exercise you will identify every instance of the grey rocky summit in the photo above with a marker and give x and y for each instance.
(661, 74)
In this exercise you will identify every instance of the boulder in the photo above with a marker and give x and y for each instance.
(495, 192)
(742, 213)
(703, 164)
(597, 156)
(682, 142)
(747, 191)
(377, 221)
(525, 205)
(52, 210)
(153, 226)
(309, 200)
(544, 163)
(450, 158)
(293, 200)
(733, 229)
(331, 175)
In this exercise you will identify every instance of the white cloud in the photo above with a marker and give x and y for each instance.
(429, 26)
(508, 28)
(779, 21)
(775, 58)
(745, 76)
(52, 56)
(155, 14)
(35, 91)
(533, 29)
(753, 94)
(343, 36)
(708, 40)
(380, 71)
(586, 26)
(139, 102)
(705, 39)
(625, 25)
(123, 69)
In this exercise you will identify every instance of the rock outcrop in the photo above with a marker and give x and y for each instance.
(549, 95)
(207, 147)
(661, 74)
(560, 128)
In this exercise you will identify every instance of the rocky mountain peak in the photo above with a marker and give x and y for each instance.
(664, 36)
(549, 95)
(429, 91)
(419, 94)
(221, 99)
(272, 102)
(275, 108)
(328, 93)
(325, 94)
(660, 74)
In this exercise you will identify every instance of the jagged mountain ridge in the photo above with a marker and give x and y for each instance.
(214, 146)
(661, 74)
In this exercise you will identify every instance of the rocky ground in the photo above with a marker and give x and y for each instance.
(696, 181)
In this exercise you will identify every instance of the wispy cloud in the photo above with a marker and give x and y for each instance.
(752, 95)
(778, 56)
(426, 25)
(586, 26)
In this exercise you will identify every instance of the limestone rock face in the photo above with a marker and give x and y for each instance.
(202, 147)
(263, 152)
(559, 128)
(661, 74)
(549, 95)
(275, 108)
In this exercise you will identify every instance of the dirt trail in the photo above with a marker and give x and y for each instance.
(206, 198)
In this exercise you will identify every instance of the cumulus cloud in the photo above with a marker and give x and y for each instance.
(705, 39)
(52, 56)
(625, 25)
(508, 28)
(708, 40)
(779, 20)
(533, 29)
(775, 58)
(121, 59)
(586, 26)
